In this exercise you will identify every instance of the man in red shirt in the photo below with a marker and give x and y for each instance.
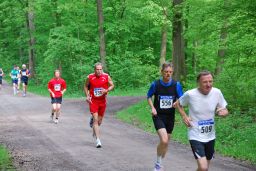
(96, 88)
(56, 87)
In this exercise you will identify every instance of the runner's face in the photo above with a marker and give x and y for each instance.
(205, 83)
(57, 74)
(167, 73)
(98, 70)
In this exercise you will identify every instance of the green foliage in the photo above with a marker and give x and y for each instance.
(5, 160)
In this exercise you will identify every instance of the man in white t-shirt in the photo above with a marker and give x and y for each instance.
(203, 102)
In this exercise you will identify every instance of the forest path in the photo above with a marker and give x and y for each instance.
(38, 144)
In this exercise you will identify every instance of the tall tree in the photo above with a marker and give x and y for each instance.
(222, 42)
(164, 38)
(101, 34)
(178, 41)
(31, 30)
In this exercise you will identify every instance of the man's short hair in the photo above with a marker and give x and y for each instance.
(165, 65)
(203, 73)
(97, 64)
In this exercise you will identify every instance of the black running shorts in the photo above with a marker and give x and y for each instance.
(56, 100)
(202, 149)
(25, 81)
(164, 121)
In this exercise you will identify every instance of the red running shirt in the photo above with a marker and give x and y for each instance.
(96, 84)
(56, 86)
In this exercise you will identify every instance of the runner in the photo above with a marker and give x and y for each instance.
(19, 79)
(14, 76)
(96, 88)
(165, 92)
(203, 102)
(25, 73)
(1, 77)
(56, 87)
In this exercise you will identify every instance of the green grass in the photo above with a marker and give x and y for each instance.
(5, 160)
(236, 135)
(78, 93)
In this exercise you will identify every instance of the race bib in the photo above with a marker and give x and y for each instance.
(57, 87)
(166, 102)
(13, 76)
(24, 73)
(206, 127)
(97, 92)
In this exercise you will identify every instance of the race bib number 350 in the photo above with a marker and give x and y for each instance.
(166, 102)
(97, 92)
(206, 127)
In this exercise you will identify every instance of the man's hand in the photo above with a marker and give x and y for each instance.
(222, 111)
(153, 111)
(175, 104)
(187, 120)
(89, 99)
(104, 91)
(53, 95)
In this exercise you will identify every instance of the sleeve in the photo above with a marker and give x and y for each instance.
(179, 89)
(50, 85)
(184, 99)
(64, 85)
(151, 90)
(222, 103)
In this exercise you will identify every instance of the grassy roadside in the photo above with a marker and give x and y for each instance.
(235, 133)
(5, 160)
(43, 91)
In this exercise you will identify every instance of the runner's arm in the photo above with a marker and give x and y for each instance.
(150, 93)
(183, 114)
(86, 91)
(111, 86)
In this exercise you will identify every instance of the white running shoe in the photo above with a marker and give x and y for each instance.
(56, 121)
(98, 143)
(158, 167)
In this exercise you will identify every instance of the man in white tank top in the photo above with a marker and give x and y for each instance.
(203, 102)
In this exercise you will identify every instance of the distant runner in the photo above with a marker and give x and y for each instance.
(203, 102)
(19, 79)
(165, 92)
(1, 77)
(25, 74)
(56, 87)
(14, 76)
(96, 88)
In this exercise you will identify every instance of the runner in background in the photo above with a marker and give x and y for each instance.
(96, 88)
(25, 74)
(165, 92)
(56, 87)
(1, 77)
(14, 76)
(19, 79)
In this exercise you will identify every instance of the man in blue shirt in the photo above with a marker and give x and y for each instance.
(165, 91)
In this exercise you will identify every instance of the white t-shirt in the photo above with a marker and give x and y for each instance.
(202, 110)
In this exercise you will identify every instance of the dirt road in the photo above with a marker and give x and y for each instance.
(38, 144)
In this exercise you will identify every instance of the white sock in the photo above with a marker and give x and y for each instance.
(159, 160)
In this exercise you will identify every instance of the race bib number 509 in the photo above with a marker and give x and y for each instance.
(166, 102)
(206, 127)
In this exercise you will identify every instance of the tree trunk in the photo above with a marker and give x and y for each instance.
(101, 34)
(222, 48)
(164, 39)
(56, 13)
(31, 29)
(178, 42)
